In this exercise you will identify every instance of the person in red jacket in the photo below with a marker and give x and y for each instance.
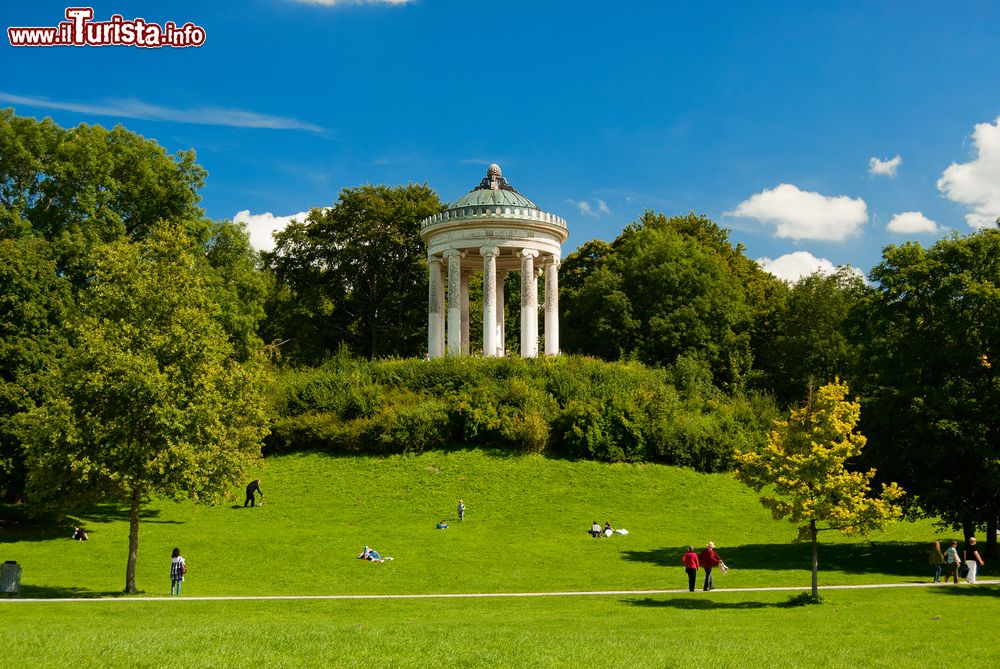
(690, 561)
(708, 559)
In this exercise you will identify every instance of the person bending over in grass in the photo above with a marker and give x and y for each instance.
(690, 560)
(177, 570)
(252, 489)
(709, 559)
(595, 530)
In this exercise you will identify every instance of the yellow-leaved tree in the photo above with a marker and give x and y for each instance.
(803, 469)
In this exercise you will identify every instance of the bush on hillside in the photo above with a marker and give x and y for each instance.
(567, 406)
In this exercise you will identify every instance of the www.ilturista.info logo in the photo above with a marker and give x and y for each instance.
(81, 30)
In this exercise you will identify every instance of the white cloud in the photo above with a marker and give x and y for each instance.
(587, 209)
(884, 167)
(793, 266)
(798, 214)
(976, 184)
(132, 108)
(262, 227)
(911, 223)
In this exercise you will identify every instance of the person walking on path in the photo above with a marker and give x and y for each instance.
(177, 570)
(252, 488)
(972, 560)
(952, 561)
(936, 560)
(461, 510)
(708, 559)
(690, 560)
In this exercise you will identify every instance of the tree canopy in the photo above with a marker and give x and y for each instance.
(932, 378)
(354, 275)
(667, 287)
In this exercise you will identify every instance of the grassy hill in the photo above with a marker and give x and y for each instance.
(525, 531)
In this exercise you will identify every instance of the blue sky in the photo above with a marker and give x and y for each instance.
(781, 121)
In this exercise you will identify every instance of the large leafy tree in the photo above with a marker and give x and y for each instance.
(667, 287)
(933, 376)
(354, 274)
(809, 343)
(152, 398)
(66, 192)
(804, 468)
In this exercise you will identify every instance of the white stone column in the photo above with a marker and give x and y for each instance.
(501, 320)
(435, 309)
(464, 291)
(552, 306)
(489, 254)
(454, 302)
(529, 304)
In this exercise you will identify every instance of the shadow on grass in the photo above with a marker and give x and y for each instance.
(50, 592)
(16, 525)
(897, 558)
(702, 604)
(965, 590)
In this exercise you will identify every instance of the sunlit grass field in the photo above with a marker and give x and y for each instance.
(525, 531)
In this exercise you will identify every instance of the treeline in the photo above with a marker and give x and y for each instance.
(567, 406)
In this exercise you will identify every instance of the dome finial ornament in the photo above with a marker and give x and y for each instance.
(494, 180)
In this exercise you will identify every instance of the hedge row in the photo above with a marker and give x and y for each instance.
(566, 406)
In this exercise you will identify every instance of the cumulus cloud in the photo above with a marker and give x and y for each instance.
(976, 184)
(911, 223)
(793, 266)
(884, 167)
(132, 108)
(798, 214)
(262, 227)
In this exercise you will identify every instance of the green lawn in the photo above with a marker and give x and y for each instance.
(525, 531)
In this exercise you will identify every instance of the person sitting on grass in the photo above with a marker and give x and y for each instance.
(608, 530)
(442, 525)
(80, 534)
(595, 530)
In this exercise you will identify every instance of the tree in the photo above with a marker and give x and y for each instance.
(354, 274)
(34, 302)
(932, 377)
(63, 194)
(804, 468)
(810, 339)
(665, 288)
(151, 399)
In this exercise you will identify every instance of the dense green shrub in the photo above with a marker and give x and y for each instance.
(567, 406)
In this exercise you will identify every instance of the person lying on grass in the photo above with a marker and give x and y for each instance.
(372, 555)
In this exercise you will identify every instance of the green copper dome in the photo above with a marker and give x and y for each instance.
(494, 190)
(486, 196)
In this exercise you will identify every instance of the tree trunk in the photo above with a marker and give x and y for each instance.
(133, 543)
(815, 559)
(968, 529)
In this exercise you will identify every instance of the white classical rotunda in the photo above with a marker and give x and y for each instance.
(493, 229)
